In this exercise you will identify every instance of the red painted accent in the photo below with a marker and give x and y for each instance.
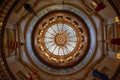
(115, 41)
(30, 78)
(100, 7)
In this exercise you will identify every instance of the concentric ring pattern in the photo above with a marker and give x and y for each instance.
(59, 41)
(61, 63)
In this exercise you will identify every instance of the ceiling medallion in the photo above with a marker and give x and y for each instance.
(59, 40)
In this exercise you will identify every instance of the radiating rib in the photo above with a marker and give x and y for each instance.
(53, 30)
(58, 27)
(63, 51)
(65, 31)
(71, 41)
(58, 50)
(62, 27)
(54, 49)
(71, 45)
(51, 45)
(51, 33)
(68, 33)
(67, 48)
(49, 37)
(49, 42)
(72, 36)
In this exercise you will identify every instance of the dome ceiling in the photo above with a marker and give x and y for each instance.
(54, 49)
(61, 39)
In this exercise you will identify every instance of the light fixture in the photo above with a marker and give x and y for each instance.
(1, 23)
(98, 5)
(94, 4)
(118, 55)
(117, 19)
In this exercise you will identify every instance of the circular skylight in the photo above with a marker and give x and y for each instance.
(60, 39)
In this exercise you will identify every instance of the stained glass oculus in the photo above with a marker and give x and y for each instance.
(60, 39)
